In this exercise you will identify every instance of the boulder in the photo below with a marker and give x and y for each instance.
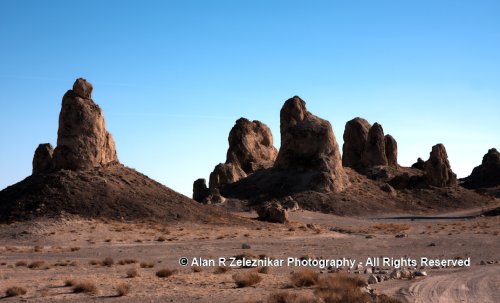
(308, 145)
(200, 190)
(290, 204)
(438, 170)
(420, 164)
(372, 279)
(42, 159)
(391, 150)
(214, 197)
(355, 137)
(374, 153)
(251, 146)
(273, 212)
(82, 141)
(225, 173)
(487, 174)
(389, 189)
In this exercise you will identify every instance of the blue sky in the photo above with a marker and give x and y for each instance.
(173, 76)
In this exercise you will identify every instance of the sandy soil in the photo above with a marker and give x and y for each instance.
(69, 246)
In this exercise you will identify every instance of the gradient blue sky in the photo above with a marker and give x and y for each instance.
(173, 76)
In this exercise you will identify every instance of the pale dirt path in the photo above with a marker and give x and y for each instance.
(476, 284)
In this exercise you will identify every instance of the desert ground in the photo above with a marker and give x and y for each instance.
(47, 257)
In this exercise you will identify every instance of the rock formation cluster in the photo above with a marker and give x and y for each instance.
(366, 146)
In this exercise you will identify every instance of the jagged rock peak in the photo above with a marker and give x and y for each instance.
(438, 170)
(42, 159)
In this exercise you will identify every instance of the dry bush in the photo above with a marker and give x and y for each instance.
(164, 273)
(147, 264)
(70, 282)
(304, 278)
(161, 239)
(38, 265)
(21, 264)
(94, 262)
(132, 273)
(127, 261)
(122, 289)
(87, 287)
(15, 291)
(75, 248)
(221, 270)
(246, 279)
(264, 270)
(108, 261)
(196, 269)
(37, 248)
(386, 299)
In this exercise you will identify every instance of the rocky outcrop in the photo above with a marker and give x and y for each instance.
(308, 145)
(366, 147)
(391, 150)
(374, 153)
(225, 173)
(487, 174)
(438, 170)
(273, 212)
(355, 136)
(42, 160)
(200, 190)
(420, 164)
(82, 141)
(251, 146)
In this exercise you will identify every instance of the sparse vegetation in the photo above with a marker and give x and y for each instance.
(246, 279)
(147, 264)
(21, 264)
(264, 270)
(15, 291)
(122, 289)
(132, 272)
(196, 269)
(164, 273)
(221, 270)
(108, 261)
(70, 282)
(38, 265)
(304, 278)
(85, 287)
(127, 261)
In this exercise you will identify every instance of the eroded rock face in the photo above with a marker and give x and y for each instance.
(225, 173)
(42, 160)
(82, 141)
(251, 146)
(438, 170)
(308, 144)
(374, 153)
(355, 136)
(391, 150)
(200, 190)
(487, 174)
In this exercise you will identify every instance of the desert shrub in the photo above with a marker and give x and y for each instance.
(161, 239)
(75, 248)
(304, 278)
(246, 279)
(122, 289)
(127, 261)
(221, 270)
(37, 248)
(85, 287)
(70, 282)
(94, 262)
(164, 273)
(38, 265)
(196, 269)
(15, 291)
(147, 264)
(108, 261)
(386, 299)
(21, 264)
(132, 273)
(264, 270)
(284, 297)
